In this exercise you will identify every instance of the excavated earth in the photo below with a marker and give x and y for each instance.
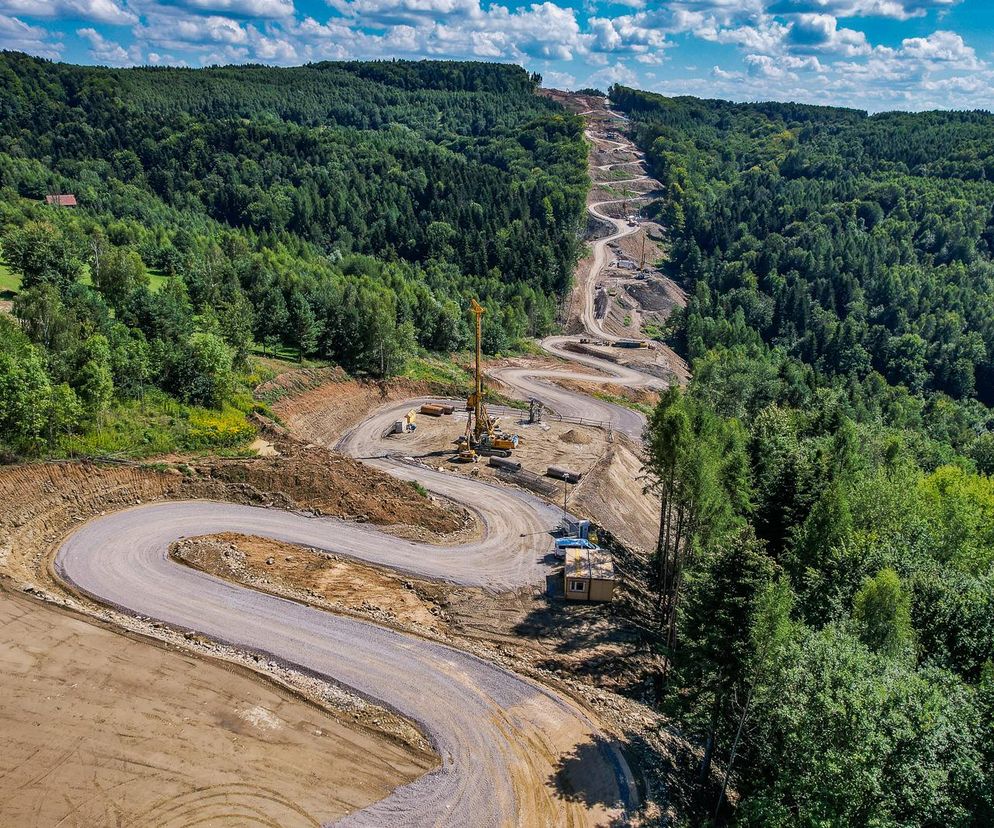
(101, 729)
(195, 740)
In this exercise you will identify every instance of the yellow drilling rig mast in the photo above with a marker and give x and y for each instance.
(482, 435)
(475, 404)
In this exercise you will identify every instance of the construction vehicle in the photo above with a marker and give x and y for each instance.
(482, 437)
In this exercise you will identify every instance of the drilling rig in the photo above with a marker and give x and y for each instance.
(482, 434)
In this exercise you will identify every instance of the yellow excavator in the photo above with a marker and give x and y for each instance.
(482, 435)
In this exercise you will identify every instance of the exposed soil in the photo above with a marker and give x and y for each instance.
(587, 650)
(540, 446)
(333, 484)
(613, 492)
(343, 585)
(103, 729)
(563, 638)
(320, 405)
(612, 501)
(43, 503)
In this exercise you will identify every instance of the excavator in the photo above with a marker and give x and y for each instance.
(482, 437)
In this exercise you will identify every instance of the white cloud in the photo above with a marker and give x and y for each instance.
(17, 35)
(219, 39)
(558, 80)
(894, 9)
(99, 11)
(941, 47)
(242, 8)
(722, 74)
(821, 33)
(451, 28)
(767, 37)
(784, 66)
(618, 73)
(108, 52)
(388, 12)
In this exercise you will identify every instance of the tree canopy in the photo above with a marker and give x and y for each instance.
(827, 630)
(343, 211)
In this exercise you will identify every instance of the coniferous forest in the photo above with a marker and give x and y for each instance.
(823, 589)
(342, 211)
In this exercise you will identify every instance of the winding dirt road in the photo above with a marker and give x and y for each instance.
(512, 752)
(530, 383)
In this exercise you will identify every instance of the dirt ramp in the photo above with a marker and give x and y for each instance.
(612, 492)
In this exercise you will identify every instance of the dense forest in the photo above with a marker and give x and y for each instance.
(344, 211)
(823, 586)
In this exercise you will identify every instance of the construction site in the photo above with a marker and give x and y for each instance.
(402, 591)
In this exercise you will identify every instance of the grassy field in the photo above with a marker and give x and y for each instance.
(452, 376)
(156, 279)
(626, 403)
(445, 372)
(9, 283)
(160, 424)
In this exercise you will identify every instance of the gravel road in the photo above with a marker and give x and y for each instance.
(528, 383)
(512, 753)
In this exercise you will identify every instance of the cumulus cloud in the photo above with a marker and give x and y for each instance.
(219, 39)
(17, 35)
(457, 28)
(821, 33)
(941, 48)
(558, 80)
(407, 12)
(108, 52)
(99, 11)
(894, 9)
(242, 8)
(617, 73)
(784, 66)
(767, 37)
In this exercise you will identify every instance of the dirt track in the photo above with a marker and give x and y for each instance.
(540, 384)
(484, 722)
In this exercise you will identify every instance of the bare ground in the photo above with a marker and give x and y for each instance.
(103, 729)
(319, 407)
(587, 650)
(321, 414)
(42, 504)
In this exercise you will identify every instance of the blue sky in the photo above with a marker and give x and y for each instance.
(873, 54)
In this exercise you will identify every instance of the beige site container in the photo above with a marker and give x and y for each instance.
(588, 575)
